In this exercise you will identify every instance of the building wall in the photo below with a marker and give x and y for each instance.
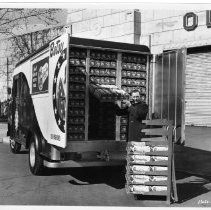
(158, 29)
(106, 24)
(164, 29)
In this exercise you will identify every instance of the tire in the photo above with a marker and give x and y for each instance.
(15, 146)
(36, 162)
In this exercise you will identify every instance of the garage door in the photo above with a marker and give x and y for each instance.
(198, 89)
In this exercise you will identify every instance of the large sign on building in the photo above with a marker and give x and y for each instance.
(190, 20)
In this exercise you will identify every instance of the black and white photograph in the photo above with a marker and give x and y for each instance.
(105, 104)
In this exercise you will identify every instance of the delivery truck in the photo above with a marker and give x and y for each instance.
(63, 98)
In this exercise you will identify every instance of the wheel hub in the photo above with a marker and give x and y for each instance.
(32, 154)
(12, 143)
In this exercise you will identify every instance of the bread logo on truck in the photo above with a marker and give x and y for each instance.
(42, 75)
(40, 72)
(59, 83)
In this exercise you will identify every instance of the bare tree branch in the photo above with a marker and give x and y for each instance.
(10, 18)
(22, 45)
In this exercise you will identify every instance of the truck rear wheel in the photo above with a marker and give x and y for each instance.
(35, 160)
(15, 146)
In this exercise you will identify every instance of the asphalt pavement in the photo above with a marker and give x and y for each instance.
(101, 186)
(97, 186)
(3, 130)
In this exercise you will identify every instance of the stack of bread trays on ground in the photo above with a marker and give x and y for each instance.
(143, 175)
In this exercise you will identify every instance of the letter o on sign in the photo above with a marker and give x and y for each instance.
(190, 21)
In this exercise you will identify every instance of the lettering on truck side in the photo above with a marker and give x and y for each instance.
(56, 48)
(55, 137)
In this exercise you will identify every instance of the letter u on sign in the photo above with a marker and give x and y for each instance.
(208, 18)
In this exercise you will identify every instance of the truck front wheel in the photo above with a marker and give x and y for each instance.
(35, 160)
(15, 146)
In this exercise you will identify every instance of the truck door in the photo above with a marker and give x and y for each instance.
(58, 88)
(168, 89)
(16, 106)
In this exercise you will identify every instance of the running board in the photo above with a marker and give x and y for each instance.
(74, 164)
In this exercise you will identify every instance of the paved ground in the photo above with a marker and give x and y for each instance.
(3, 130)
(84, 187)
(198, 137)
(97, 186)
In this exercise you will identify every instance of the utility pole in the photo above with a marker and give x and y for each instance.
(7, 78)
(31, 39)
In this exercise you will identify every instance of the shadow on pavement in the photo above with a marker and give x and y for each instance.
(195, 163)
(23, 152)
(113, 176)
(190, 186)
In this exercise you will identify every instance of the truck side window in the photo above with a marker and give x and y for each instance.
(14, 88)
(22, 87)
(24, 90)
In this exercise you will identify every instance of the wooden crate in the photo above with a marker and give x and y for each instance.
(158, 137)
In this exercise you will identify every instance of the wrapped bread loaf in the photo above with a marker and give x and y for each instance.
(159, 168)
(137, 179)
(159, 158)
(159, 178)
(135, 143)
(138, 159)
(158, 188)
(159, 148)
(137, 169)
(138, 149)
(137, 189)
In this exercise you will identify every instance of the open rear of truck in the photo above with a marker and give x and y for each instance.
(96, 72)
